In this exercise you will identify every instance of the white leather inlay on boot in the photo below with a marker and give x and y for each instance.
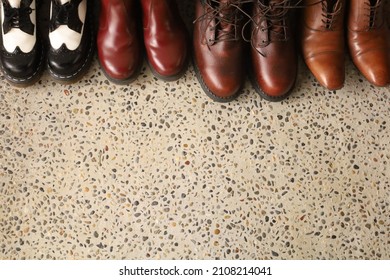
(16, 37)
(64, 35)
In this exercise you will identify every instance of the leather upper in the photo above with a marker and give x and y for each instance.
(322, 41)
(368, 40)
(274, 57)
(21, 53)
(61, 32)
(70, 49)
(119, 45)
(165, 37)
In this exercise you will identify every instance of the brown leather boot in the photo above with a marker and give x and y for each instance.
(322, 41)
(166, 39)
(218, 48)
(274, 58)
(118, 43)
(368, 40)
(387, 12)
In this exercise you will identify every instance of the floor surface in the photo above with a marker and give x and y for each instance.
(157, 170)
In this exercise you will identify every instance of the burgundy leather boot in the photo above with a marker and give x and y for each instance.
(165, 38)
(274, 57)
(368, 40)
(119, 46)
(219, 47)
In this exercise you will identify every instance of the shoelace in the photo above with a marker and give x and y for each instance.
(330, 13)
(66, 14)
(18, 17)
(226, 16)
(373, 10)
(275, 14)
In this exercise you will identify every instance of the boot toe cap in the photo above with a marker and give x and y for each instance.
(374, 66)
(275, 84)
(328, 69)
(223, 87)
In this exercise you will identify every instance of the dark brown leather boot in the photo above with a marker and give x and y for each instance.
(368, 40)
(166, 38)
(274, 57)
(218, 48)
(118, 43)
(322, 41)
(387, 12)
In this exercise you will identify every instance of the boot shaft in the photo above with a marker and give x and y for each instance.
(160, 13)
(126, 4)
(120, 16)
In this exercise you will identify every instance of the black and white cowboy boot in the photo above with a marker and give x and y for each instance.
(70, 39)
(21, 54)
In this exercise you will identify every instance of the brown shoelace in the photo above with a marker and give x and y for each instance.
(373, 9)
(275, 15)
(226, 16)
(330, 12)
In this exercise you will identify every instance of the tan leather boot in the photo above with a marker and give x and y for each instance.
(322, 41)
(368, 40)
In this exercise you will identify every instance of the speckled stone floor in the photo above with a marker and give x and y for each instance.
(157, 170)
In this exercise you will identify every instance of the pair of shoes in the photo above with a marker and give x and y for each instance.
(22, 52)
(368, 38)
(219, 47)
(120, 45)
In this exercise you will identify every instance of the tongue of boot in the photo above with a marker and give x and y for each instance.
(14, 3)
(330, 5)
(62, 2)
(277, 11)
(374, 2)
(227, 12)
(374, 15)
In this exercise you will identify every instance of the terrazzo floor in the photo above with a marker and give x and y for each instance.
(157, 170)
